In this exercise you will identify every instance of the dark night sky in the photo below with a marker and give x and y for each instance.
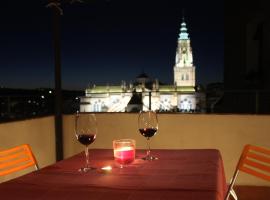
(108, 41)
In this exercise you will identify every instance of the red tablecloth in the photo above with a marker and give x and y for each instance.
(178, 174)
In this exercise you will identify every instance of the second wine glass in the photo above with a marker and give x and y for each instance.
(86, 132)
(148, 126)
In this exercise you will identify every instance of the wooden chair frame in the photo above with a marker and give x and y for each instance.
(16, 159)
(255, 161)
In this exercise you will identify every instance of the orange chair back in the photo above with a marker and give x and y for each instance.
(16, 159)
(255, 161)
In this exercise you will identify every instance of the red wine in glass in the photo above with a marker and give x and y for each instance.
(86, 139)
(85, 131)
(148, 132)
(148, 126)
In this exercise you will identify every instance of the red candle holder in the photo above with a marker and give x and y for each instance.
(124, 151)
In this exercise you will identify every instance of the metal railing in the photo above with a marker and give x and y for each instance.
(239, 101)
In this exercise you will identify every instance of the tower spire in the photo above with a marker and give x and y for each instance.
(184, 70)
(183, 30)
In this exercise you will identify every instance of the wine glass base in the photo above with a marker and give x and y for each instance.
(86, 169)
(150, 158)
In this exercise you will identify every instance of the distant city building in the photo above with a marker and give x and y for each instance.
(148, 94)
(17, 104)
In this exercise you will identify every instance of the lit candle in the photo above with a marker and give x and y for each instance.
(124, 155)
(106, 169)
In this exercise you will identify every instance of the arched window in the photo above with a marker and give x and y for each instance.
(182, 77)
(95, 107)
(187, 77)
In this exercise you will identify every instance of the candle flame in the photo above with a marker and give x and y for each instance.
(107, 168)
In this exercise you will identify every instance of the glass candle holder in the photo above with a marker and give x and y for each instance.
(124, 151)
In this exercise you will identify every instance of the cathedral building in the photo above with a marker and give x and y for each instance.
(147, 94)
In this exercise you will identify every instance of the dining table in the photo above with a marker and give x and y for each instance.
(188, 174)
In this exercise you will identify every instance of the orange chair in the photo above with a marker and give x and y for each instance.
(255, 161)
(16, 159)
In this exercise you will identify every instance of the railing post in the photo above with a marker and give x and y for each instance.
(256, 102)
(58, 89)
(149, 100)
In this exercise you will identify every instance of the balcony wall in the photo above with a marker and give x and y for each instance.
(39, 133)
(228, 133)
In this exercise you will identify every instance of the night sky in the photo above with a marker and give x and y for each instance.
(106, 41)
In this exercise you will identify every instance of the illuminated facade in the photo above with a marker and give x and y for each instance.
(180, 96)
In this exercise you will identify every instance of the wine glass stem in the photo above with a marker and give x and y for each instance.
(86, 157)
(148, 150)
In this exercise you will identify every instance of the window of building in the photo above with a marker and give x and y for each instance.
(182, 77)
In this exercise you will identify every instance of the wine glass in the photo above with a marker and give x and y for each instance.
(148, 126)
(85, 132)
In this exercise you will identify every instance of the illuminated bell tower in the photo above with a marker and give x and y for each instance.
(184, 70)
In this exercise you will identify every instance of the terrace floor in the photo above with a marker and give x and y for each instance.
(252, 192)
